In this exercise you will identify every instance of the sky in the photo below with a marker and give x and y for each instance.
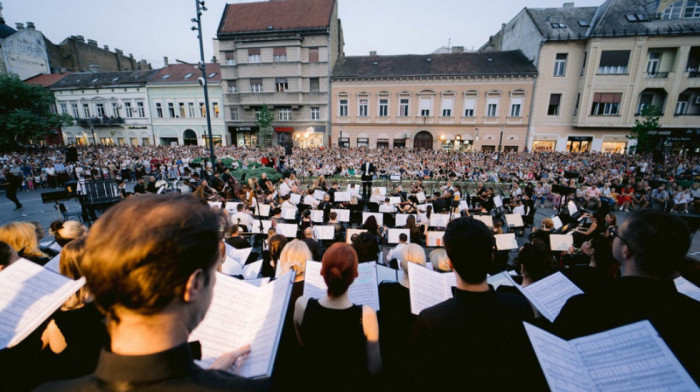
(152, 29)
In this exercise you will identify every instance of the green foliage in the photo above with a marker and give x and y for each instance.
(263, 119)
(650, 122)
(25, 113)
(227, 162)
(257, 172)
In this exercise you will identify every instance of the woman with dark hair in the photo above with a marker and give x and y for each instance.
(340, 340)
(272, 255)
(415, 233)
(602, 266)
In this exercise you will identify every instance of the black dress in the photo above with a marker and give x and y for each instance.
(288, 360)
(335, 352)
(395, 325)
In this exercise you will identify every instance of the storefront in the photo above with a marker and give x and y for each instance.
(244, 135)
(614, 145)
(309, 137)
(399, 143)
(215, 138)
(676, 141)
(579, 143)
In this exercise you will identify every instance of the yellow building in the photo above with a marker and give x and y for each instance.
(457, 101)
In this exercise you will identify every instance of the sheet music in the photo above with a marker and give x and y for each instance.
(506, 241)
(318, 194)
(561, 242)
(259, 282)
(242, 313)
(382, 190)
(295, 198)
(386, 274)
(363, 291)
(29, 294)
(422, 207)
(487, 219)
(341, 196)
(684, 286)
(378, 215)
(548, 295)
(420, 196)
(350, 232)
(343, 215)
(252, 270)
(558, 224)
(498, 201)
(514, 220)
(214, 204)
(324, 232)
(400, 219)
(264, 210)
(571, 206)
(434, 238)
(316, 216)
(439, 220)
(628, 358)
(287, 229)
(394, 235)
(54, 264)
(289, 213)
(500, 279)
(394, 200)
(231, 206)
(256, 226)
(428, 288)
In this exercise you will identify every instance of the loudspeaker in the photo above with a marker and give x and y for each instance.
(571, 174)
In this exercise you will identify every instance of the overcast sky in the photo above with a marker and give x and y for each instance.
(151, 29)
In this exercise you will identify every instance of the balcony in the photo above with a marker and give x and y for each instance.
(98, 121)
(424, 119)
(657, 75)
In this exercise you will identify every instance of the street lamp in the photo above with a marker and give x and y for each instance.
(94, 139)
(500, 142)
(203, 81)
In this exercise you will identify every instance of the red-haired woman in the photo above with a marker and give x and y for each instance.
(340, 340)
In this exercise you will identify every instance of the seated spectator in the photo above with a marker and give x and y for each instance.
(21, 236)
(154, 292)
(340, 352)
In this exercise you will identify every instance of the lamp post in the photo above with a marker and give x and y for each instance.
(500, 142)
(202, 67)
(94, 139)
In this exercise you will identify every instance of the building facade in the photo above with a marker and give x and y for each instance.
(176, 101)
(22, 51)
(599, 67)
(109, 108)
(279, 54)
(458, 101)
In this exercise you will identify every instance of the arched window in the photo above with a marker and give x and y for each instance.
(682, 9)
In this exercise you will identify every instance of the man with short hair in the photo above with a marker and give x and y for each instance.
(659, 198)
(395, 254)
(650, 245)
(313, 245)
(475, 340)
(155, 282)
(387, 206)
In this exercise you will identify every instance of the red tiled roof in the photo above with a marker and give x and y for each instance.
(46, 80)
(178, 72)
(281, 15)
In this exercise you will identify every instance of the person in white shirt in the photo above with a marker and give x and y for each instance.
(519, 208)
(285, 189)
(396, 252)
(386, 206)
(376, 196)
(309, 199)
(242, 217)
(287, 203)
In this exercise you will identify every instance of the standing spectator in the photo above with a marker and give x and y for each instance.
(12, 183)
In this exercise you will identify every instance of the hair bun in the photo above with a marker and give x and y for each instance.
(55, 227)
(335, 273)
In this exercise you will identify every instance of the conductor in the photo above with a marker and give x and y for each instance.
(368, 171)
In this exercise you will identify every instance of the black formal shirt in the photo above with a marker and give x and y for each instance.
(170, 370)
(238, 242)
(475, 341)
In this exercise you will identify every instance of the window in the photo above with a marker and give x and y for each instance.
(383, 107)
(492, 107)
(362, 142)
(256, 85)
(145, 141)
(314, 85)
(583, 65)
(362, 107)
(232, 87)
(469, 105)
(74, 108)
(128, 109)
(279, 55)
(606, 104)
(424, 104)
(553, 108)
(515, 105)
(235, 115)
(253, 55)
(682, 105)
(141, 109)
(230, 59)
(285, 114)
(171, 110)
(692, 10)
(343, 108)
(202, 110)
(448, 104)
(100, 110)
(673, 11)
(64, 108)
(313, 55)
(159, 110)
(281, 85)
(403, 107)
(190, 109)
(115, 109)
(614, 62)
(315, 113)
(215, 108)
(645, 101)
(578, 100)
(86, 110)
(653, 63)
(560, 64)
(181, 109)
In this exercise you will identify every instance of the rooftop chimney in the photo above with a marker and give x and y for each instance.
(165, 61)
(372, 52)
(94, 68)
(30, 25)
(80, 38)
(118, 51)
(92, 42)
(568, 5)
(131, 55)
(106, 47)
(19, 26)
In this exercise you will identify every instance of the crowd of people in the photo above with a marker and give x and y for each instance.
(150, 264)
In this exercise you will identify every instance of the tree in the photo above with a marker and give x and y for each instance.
(263, 119)
(25, 113)
(650, 122)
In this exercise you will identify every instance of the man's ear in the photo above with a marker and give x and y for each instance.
(194, 286)
(449, 262)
